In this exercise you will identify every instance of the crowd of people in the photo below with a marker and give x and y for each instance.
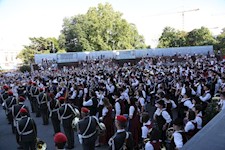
(118, 96)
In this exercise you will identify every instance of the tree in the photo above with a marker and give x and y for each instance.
(199, 37)
(38, 45)
(101, 28)
(172, 38)
(221, 41)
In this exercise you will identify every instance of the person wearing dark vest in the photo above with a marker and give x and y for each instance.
(87, 129)
(134, 122)
(152, 142)
(34, 92)
(8, 103)
(16, 116)
(28, 94)
(170, 104)
(4, 94)
(179, 136)
(43, 100)
(21, 90)
(108, 121)
(121, 138)
(206, 97)
(27, 130)
(53, 108)
(163, 119)
(119, 104)
(92, 103)
(60, 141)
(191, 126)
(147, 125)
(66, 115)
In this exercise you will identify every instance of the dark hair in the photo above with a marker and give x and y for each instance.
(198, 107)
(191, 115)
(60, 145)
(145, 117)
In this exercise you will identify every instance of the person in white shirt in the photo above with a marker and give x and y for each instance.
(222, 101)
(179, 138)
(206, 96)
(191, 126)
(162, 118)
(198, 118)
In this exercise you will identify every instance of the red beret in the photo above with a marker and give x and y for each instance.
(34, 83)
(10, 92)
(121, 118)
(23, 110)
(60, 138)
(51, 95)
(21, 99)
(6, 87)
(85, 110)
(62, 99)
(41, 89)
(30, 82)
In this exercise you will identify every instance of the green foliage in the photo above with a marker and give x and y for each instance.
(25, 68)
(101, 28)
(172, 38)
(198, 37)
(175, 38)
(220, 45)
(27, 55)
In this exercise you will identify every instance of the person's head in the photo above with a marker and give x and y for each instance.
(60, 140)
(84, 112)
(188, 93)
(145, 117)
(191, 115)
(178, 124)
(106, 102)
(121, 122)
(23, 112)
(21, 99)
(160, 104)
(62, 100)
(206, 87)
(198, 108)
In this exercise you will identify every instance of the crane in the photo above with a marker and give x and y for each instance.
(185, 11)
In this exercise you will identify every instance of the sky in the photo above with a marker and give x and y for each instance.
(21, 19)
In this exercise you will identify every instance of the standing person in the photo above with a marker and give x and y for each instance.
(60, 141)
(108, 121)
(191, 126)
(87, 129)
(16, 114)
(43, 100)
(163, 119)
(134, 122)
(27, 130)
(34, 91)
(92, 103)
(121, 138)
(53, 108)
(8, 103)
(66, 114)
(179, 138)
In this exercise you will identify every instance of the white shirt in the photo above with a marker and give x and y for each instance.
(73, 95)
(206, 97)
(148, 146)
(189, 126)
(124, 96)
(110, 88)
(131, 111)
(88, 103)
(188, 103)
(117, 108)
(172, 102)
(104, 111)
(145, 129)
(198, 119)
(142, 101)
(165, 114)
(178, 139)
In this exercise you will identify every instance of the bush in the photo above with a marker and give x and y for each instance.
(25, 68)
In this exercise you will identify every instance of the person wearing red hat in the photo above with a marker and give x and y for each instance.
(87, 129)
(16, 115)
(43, 99)
(66, 114)
(60, 140)
(121, 138)
(27, 131)
(53, 109)
(9, 102)
(4, 94)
